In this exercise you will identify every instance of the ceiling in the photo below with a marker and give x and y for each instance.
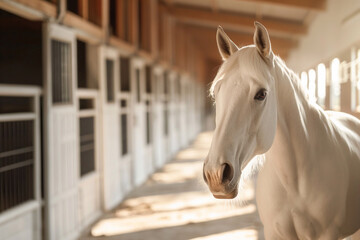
(286, 20)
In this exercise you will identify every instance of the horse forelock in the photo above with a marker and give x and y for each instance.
(245, 60)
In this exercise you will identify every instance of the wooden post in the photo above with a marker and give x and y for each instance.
(154, 21)
(134, 22)
(83, 9)
(105, 19)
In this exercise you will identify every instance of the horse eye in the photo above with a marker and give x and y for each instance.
(260, 95)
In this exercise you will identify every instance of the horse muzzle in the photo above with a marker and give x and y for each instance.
(222, 195)
(219, 180)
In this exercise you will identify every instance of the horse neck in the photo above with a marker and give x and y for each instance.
(293, 107)
(291, 148)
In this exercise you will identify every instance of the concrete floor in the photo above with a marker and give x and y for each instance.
(175, 204)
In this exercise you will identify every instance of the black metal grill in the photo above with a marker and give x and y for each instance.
(125, 74)
(110, 80)
(124, 134)
(166, 118)
(148, 127)
(138, 87)
(61, 72)
(148, 79)
(16, 163)
(87, 145)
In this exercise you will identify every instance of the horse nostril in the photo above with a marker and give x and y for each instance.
(204, 176)
(228, 173)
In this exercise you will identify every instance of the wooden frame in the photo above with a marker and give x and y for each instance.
(33, 206)
(318, 5)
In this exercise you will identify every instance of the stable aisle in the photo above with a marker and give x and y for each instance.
(175, 204)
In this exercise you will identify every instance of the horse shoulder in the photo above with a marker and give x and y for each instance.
(352, 222)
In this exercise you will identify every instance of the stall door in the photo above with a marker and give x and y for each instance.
(139, 121)
(125, 124)
(89, 172)
(149, 118)
(111, 129)
(158, 119)
(61, 140)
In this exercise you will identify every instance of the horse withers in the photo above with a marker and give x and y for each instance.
(308, 186)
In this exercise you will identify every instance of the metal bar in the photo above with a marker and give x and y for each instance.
(87, 147)
(23, 90)
(87, 113)
(17, 117)
(16, 165)
(16, 152)
(86, 137)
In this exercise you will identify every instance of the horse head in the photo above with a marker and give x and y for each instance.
(246, 110)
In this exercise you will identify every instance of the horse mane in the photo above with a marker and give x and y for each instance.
(292, 76)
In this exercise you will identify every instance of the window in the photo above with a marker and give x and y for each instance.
(16, 163)
(11, 104)
(335, 85)
(124, 74)
(110, 80)
(166, 119)
(85, 103)
(87, 66)
(73, 6)
(20, 50)
(148, 79)
(304, 80)
(178, 86)
(148, 123)
(321, 84)
(61, 72)
(166, 83)
(87, 145)
(312, 85)
(124, 134)
(81, 64)
(138, 87)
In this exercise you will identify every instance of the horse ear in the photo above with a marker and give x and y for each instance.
(262, 40)
(225, 45)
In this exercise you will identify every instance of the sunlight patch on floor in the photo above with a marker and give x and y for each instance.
(178, 172)
(167, 212)
(192, 153)
(248, 234)
(175, 201)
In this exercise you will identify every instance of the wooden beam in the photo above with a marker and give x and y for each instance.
(317, 5)
(233, 21)
(32, 10)
(206, 36)
(204, 40)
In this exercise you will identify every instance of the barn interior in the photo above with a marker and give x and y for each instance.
(105, 113)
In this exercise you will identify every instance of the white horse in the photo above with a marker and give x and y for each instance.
(309, 184)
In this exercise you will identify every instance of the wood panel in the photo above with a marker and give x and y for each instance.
(317, 5)
(205, 39)
(233, 21)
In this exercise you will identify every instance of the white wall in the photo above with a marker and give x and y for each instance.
(330, 33)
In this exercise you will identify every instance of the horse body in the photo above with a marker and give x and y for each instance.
(309, 184)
